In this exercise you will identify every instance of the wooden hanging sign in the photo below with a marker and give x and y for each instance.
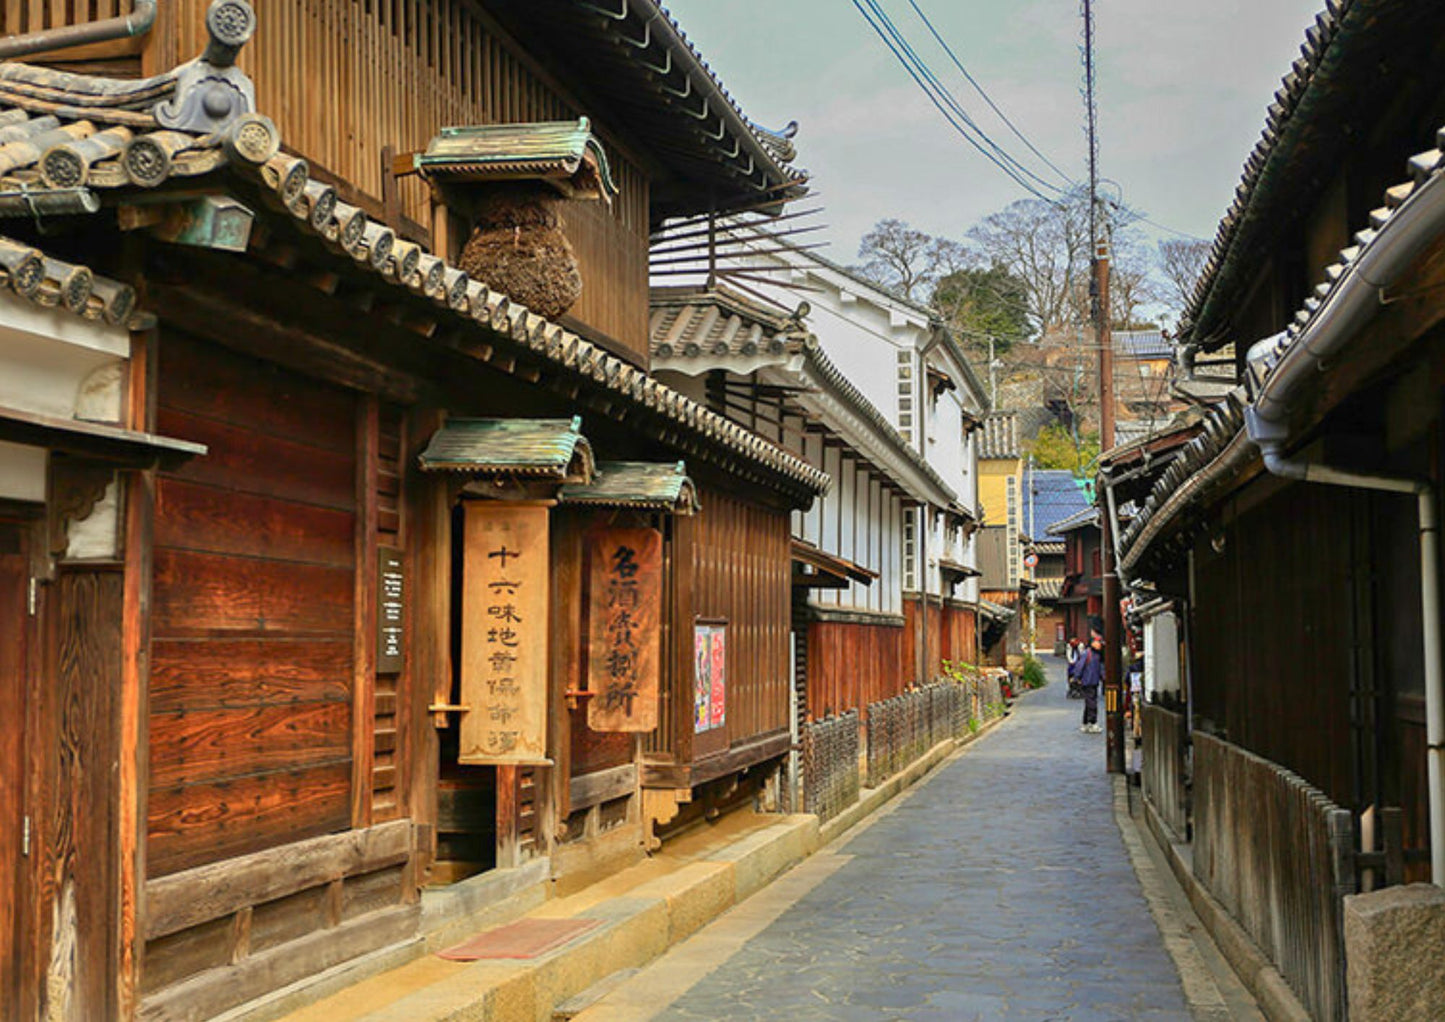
(504, 634)
(624, 629)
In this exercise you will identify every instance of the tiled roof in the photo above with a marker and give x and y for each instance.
(688, 323)
(1142, 345)
(1048, 548)
(52, 283)
(134, 156)
(1359, 59)
(690, 327)
(1089, 516)
(563, 153)
(633, 54)
(1049, 590)
(1049, 496)
(1222, 446)
(543, 448)
(637, 484)
(1000, 436)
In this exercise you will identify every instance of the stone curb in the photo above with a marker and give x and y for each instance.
(1278, 1002)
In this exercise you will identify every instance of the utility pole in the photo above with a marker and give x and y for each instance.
(1099, 294)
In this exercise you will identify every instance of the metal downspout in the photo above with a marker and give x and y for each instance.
(1268, 436)
(137, 22)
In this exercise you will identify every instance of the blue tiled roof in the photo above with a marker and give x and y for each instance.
(1049, 496)
(1142, 345)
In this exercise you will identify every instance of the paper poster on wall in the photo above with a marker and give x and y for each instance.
(504, 634)
(710, 675)
(624, 637)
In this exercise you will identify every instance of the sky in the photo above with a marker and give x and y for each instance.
(1182, 90)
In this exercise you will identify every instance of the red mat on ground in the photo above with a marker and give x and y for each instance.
(526, 938)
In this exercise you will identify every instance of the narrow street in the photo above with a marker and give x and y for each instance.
(999, 889)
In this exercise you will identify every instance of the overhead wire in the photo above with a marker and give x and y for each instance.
(952, 101)
(863, 7)
(984, 94)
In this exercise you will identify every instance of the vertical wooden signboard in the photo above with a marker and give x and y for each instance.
(709, 702)
(504, 634)
(623, 625)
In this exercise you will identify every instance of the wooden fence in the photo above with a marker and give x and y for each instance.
(830, 765)
(1279, 856)
(1164, 768)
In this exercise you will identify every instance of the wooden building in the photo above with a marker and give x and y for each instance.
(1293, 531)
(337, 568)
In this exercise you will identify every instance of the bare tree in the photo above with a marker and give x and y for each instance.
(1181, 260)
(1131, 283)
(1045, 245)
(899, 257)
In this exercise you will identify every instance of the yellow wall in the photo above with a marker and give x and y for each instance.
(993, 474)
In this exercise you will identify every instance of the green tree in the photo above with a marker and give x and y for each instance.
(1055, 447)
(982, 302)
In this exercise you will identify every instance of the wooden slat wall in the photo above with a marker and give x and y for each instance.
(344, 78)
(733, 561)
(853, 665)
(18, 16)
(1279, 608)
(958, 642)
(252, 616)
(912, 617)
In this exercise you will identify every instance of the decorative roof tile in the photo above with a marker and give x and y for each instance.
(653, 486)
(542, 448)
(565, 154)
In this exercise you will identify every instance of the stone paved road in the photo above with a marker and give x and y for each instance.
(999, 889)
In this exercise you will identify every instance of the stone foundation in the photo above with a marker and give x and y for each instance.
(1395, 947)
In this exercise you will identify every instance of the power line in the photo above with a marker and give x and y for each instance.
(986, 98)
(914, 73)
(952, 101)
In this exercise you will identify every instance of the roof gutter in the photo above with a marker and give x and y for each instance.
(137, 22)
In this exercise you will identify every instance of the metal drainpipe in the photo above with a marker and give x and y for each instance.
(137, 22)
(1268, 436)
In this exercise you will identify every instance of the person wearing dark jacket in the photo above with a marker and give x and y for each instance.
(1088, 671)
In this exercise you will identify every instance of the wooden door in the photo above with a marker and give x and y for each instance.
(14, 655)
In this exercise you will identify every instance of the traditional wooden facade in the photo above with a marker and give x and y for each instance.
(1290, 526)
(270, 457)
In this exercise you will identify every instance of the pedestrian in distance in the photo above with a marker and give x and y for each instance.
(1073, 652)
(1088, 671)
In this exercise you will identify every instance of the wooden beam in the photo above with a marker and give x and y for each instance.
(740, 756)
(194, 896)
(210, 993)
(222, 319)
(603, 786)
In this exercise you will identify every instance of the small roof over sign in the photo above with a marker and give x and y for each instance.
(537, 448)
(565, 154)
(637, 484)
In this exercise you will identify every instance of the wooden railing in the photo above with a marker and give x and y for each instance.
(1279, 856)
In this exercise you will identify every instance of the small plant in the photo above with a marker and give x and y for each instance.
(973, 725)
(1032, 674)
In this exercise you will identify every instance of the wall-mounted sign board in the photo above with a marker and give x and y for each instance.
(504, 633)
(624, 628)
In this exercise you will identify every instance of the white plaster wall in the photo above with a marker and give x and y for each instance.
(22, 472)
